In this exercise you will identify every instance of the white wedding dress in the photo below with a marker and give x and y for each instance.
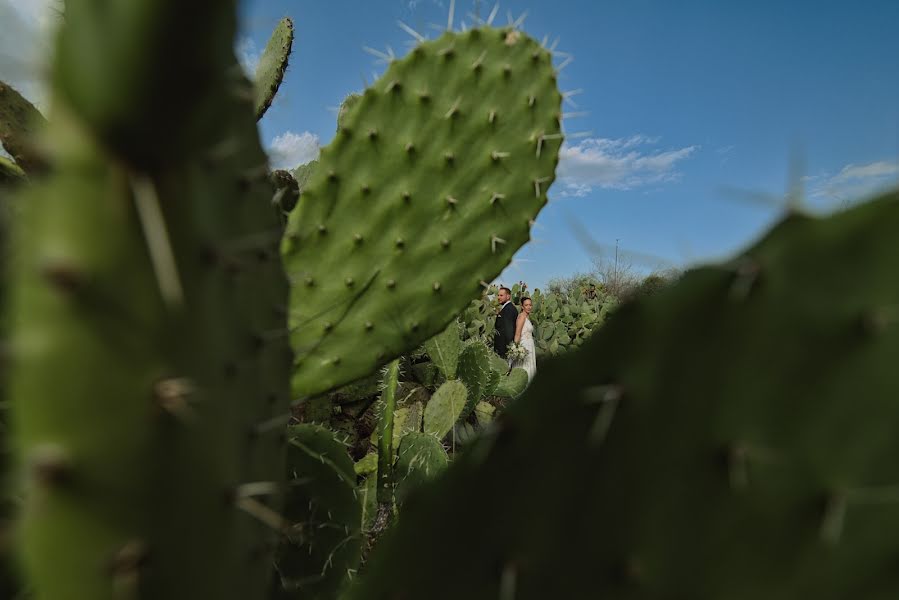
(529, 363)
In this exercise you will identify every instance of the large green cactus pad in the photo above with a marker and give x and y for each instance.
(733, 436)
(435, 177)
(150, 375)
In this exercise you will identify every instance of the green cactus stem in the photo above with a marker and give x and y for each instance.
(386, 448)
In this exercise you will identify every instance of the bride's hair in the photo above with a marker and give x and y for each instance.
(525, 299)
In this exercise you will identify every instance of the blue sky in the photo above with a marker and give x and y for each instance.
(700, 113)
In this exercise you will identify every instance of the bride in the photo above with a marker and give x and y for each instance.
(524, 333)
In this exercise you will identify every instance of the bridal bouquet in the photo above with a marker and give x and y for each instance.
(516, 352)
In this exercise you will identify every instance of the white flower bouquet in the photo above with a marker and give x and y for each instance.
(516, 352)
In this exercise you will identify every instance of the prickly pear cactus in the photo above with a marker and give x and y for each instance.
(149, 380)
(444, 349)
(435, 176)
(420, 458)
(475, 373)
(272, 66)
(733, 436)
(322, 548)
(444, 408)
(513, 384)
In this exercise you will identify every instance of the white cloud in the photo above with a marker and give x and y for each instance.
(855, 182)
(289, 150)
(622, 164)
(248, 55)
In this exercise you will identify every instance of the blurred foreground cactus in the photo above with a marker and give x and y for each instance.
(147, 281)
(731, 436)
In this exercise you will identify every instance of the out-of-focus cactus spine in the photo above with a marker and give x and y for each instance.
(148, 283)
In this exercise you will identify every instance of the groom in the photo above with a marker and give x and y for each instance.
(504, 332)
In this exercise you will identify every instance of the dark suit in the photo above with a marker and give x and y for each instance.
(504, 333)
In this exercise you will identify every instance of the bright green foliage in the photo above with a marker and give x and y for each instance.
(420, 458)
(147, 395)
(444, 408)
(513, 384)
(564, 319)
(434, 178)
(732, 436)
(475, 373)
(272, 66)
(20, 122)
(324, 512)
(444, 349)
(479, 318)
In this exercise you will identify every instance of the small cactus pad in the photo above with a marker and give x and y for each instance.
(513, 384)
(444, 408)
(323, 539)
(420, 458)
(444, 349)
(475, 373)
(272, 65)
(484, 412)
(434, 177)
(732, 436)
(19, 123)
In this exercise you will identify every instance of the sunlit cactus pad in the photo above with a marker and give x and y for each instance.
(435, 176)
(734, 436)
